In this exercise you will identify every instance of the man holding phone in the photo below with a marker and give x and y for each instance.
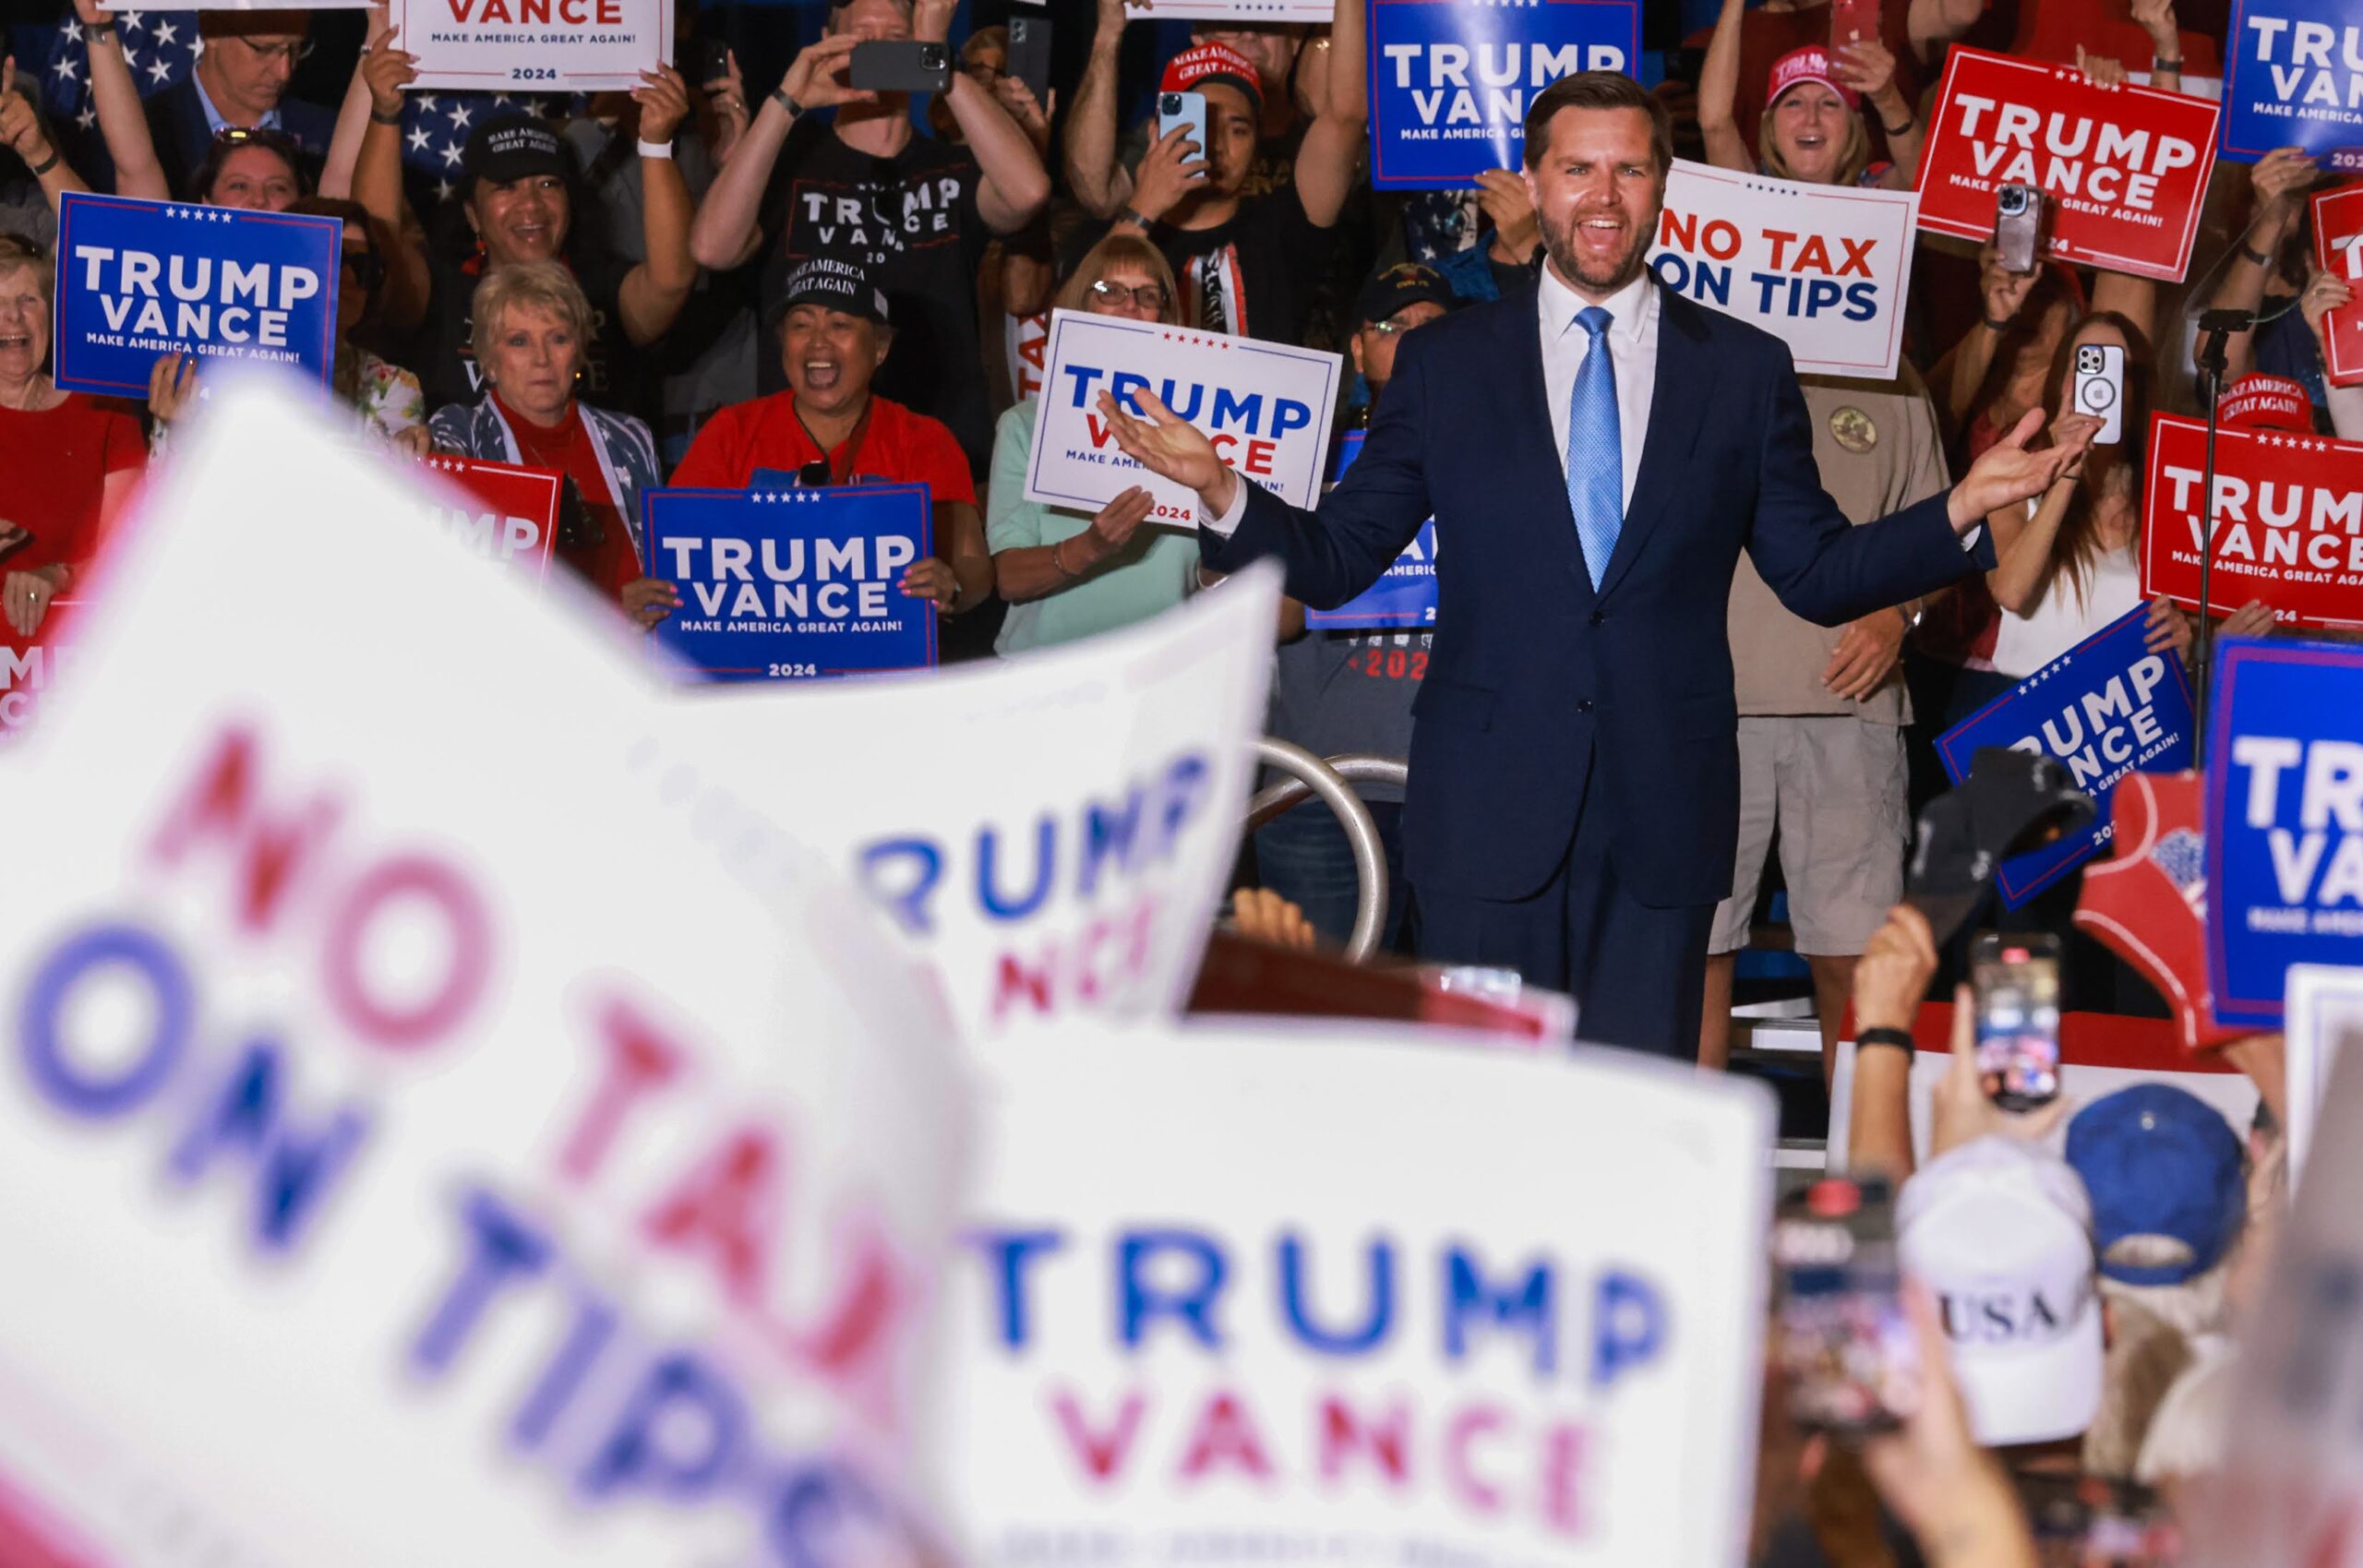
(867, 189)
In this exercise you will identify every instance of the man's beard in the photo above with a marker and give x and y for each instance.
(1561, 246)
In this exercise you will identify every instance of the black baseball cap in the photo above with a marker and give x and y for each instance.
(2011, 802)
(515, 147)
(839, 285)
(1391, 288)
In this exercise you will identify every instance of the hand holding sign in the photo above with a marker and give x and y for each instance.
(1170, 447)
(664, 99)
(2327, 292)
(386, 73)
(2007, 473)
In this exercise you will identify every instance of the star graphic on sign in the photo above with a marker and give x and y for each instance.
(460, 113)
(160, 71)
(501, 100)
(166, 32)
(417, 139)
(452, 154)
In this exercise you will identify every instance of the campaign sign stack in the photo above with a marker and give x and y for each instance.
(1256, 1319)
(140, 279)
(2285, 831)
(2288, 506)
(1822, 268)
(1266, 407)
(2293, 76)
(522, 46)
(2122, 169)
(792, 583)
(2104, 707)
(1450, 81)
(1405, 598)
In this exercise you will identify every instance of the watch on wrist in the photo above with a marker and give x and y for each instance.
(655, 149)
(94, 31)
(2262, 258)
(46, 165)
(379, 117)
(1135, 217)
(2160, 63)
(780, 96)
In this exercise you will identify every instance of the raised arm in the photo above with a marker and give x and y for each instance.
(1960, 376)
(21, 131)
(1014, 185)
(1329, 158)
(1719, 90)
(654, 292)
(1869, 70)
(352, 117)
(1098, 182)
(1891, 978)
(2277, 184)
(377, 181)
(726, 231)
(122, 122)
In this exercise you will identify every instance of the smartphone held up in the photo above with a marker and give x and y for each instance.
(1850, 1359)
(2018, 227)
(2016, 977)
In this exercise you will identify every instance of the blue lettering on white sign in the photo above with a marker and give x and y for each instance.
(792, 584)
(2105, 708)
(140, 279)
(1406, 595)
(1450, 81)
(2293, 76)
(2284, 820)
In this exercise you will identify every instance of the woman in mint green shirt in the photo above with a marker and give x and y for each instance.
(1065, 574)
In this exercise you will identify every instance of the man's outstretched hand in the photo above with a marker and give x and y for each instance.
(1171, 447)
(2008, 473)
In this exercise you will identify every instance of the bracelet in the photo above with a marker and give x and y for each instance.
(1992, 325)
(393, 119)
(1881, 1035)
(780, 96)
(2160, 63)
(94, 31)
(1058, 564)
(46, 165)
(2261, 259)
(1904, 129)
(656, 150)
(1135, 216)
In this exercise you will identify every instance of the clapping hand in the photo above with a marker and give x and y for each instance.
(2008, 473)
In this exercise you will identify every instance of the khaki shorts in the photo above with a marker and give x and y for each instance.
(1835, 788)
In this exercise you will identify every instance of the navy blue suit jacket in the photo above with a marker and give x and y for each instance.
(1537, 682)
(177, 123)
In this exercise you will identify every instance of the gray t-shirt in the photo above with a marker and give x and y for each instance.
(1339, 692)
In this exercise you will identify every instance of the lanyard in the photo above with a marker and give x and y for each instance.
(853, 442)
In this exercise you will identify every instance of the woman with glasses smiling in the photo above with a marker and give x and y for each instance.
(1066, 575)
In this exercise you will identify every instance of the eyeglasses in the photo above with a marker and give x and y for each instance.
(368, 269)
(291, 52)
(1388, 328)
(1148, 297)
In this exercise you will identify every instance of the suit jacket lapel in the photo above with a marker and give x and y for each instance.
(1535, 445)
(1676, 409)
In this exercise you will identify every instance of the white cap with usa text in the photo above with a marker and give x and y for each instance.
(2000, 1233)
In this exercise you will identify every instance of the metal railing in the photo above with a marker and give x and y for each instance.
(1331, 779)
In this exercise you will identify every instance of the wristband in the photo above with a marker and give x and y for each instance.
(1880, 1034)
(780, 96)
(393, 119)
(1135, 217)
(2160, 63)
(1904, 129)
(656, 150)
(46, 165)
(94, 31)
(2001, 326)
(2261, 259)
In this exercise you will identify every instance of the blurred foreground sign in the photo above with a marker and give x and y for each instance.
(1249, 1327)
(419, 1181)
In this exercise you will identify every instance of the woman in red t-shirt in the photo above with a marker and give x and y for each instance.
(70, 460)
(828, 428)
(531, 326)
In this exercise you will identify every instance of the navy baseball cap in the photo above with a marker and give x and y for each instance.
(2164, 1165)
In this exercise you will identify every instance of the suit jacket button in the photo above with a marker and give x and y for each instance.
(1584, 706)
(1597, 618)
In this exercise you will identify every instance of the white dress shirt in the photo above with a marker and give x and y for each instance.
(1632, 354)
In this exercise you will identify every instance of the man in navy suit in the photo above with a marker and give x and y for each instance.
(1596, 450)
(239, 80)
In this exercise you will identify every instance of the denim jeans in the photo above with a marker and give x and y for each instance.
(1304, 857)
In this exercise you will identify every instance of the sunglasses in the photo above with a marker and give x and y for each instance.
(368, 269)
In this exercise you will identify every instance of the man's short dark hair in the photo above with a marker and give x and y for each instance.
(1599, 90)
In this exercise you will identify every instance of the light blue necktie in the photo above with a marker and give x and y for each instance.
(1595, 449)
